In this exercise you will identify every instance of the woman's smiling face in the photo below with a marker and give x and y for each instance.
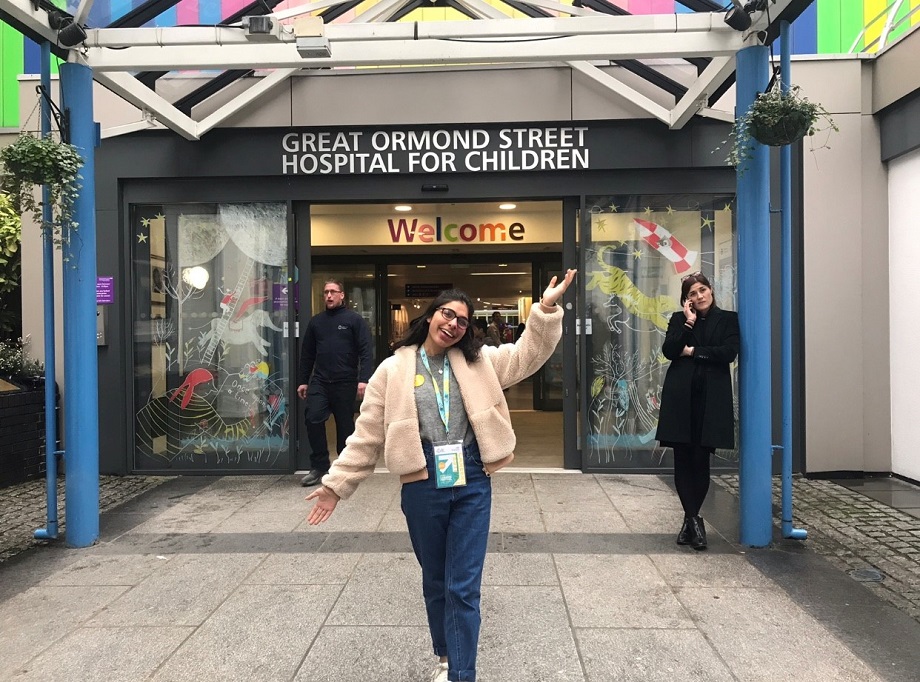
(444, 333)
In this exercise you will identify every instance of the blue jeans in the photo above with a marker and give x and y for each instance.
(449, 528)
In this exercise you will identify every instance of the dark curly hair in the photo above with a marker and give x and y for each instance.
(418, 328)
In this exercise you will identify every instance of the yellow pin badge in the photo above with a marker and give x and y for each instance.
(419, 380)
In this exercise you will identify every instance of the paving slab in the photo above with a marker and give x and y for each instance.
(114, 654)
(260, 632)
(650, 656)
(526, 636)
(621, 591)
(582, 582)
(763, 635)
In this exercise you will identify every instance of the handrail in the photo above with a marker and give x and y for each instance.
(889, 13)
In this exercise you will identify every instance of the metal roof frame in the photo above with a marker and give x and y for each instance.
(587, 36)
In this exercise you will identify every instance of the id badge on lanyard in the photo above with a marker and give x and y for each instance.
(448, 454)
(448, 464)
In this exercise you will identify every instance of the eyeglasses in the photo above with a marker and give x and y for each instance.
(692, 274)
(462, 322)
(329, 292)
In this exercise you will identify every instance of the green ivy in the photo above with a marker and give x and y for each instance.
(10, 266)
(35, 161)
(777, 118)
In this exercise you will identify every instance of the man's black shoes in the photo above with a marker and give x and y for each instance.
(312, 478)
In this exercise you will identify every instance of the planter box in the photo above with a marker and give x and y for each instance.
(22, 436)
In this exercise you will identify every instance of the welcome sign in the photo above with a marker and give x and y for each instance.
(448, 229)
(406, 231)
(441, 150)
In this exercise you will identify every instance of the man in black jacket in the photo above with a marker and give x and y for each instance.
(335, 366)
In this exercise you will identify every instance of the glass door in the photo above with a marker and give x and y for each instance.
(362, 296)
(211, 362)
(635, 251)
(548, 384)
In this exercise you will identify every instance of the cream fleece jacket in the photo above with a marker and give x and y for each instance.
(388, 421)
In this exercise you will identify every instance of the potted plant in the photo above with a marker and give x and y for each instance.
(17, 367)
(22, 414)
(31, 161)
(777, 118)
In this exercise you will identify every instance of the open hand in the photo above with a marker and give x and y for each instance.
(554, 291)
(325, 505)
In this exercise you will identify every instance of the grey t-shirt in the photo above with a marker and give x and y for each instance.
(430, 425)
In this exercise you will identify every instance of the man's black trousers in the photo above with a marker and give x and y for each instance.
(325, 399)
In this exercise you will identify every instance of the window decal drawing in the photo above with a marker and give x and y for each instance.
(210, 354)
(637, 248)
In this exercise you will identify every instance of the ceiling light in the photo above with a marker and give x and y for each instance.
(507, 207)
(483, 274)
(421, 267)
(402, 207)
(503, 265)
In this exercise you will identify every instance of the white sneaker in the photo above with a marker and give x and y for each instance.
(440, 673)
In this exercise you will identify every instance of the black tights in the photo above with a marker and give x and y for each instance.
(691, 477)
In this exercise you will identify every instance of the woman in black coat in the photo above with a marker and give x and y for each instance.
(697, 414)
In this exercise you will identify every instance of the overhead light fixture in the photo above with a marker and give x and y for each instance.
(421, 267)
(69, 32)
(503, 265)
(310, 38)
(738, 17)
(259, 28)
(484, 274)
(507, 207)
(402, 207)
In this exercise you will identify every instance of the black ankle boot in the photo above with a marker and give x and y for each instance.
(697, 533)
(683, 537)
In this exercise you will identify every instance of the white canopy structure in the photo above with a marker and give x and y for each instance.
(586, 35)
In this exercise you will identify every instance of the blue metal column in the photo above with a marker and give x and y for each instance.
(81, 392)
(50, 531)
(754, 315)
(785, 182)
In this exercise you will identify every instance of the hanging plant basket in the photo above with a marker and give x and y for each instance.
(777, 118)
(31, 162)
(786, 130)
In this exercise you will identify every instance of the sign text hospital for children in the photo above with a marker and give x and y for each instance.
(473, 150)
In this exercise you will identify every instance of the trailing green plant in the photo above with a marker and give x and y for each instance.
(10, 266)
(777, 118)
(32, 161)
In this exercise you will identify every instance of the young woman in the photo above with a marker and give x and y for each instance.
(437, 411)
(697, 414)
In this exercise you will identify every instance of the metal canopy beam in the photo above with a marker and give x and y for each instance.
(414, 52)
(579, 35)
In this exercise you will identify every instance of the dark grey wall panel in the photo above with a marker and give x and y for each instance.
(900, 127)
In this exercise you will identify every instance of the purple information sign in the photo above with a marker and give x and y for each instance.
(280, 296)
(105, 290)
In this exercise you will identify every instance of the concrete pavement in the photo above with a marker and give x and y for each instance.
(221, 579)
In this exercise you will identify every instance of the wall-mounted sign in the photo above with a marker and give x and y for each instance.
(426, 289)
(406, 231)
(105, 290)
(453, 150)
(280, 296)
(451, 227)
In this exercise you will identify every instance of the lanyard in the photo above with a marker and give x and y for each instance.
(443, 401)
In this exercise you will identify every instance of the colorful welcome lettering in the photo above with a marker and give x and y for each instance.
(401, 230)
